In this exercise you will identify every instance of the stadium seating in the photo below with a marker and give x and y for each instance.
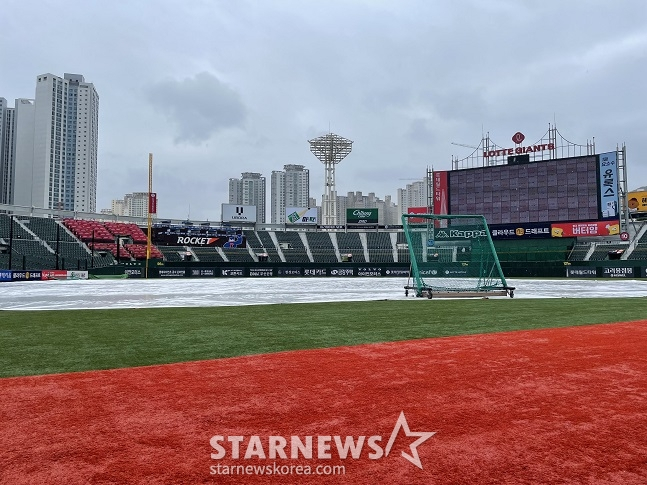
(601, 251)
(268, 247)
(173, 253)
(534, 250)
(350, 243)
(238, 255)
(639, 252)
(292, 247)
(138, 251)
(88, 231)
(380, 249)
(46, 229)
(208, 254)
(127, 229)
(579, 252)
(119, 254)
(403, 251)
(18, 231)
(321, 247)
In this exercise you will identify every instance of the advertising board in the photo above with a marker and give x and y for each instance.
(289, 272)
(261, 272)
(581, 272)
(203, 272)
(527, 230)
(361, 216)
(185, 238)
(232, 272)
(369, 271)
(618, 272)
(586, 229)
(609, 202)
(26, 275)
(417, 210)
(301, 215)
(54, 274)
(172, 273)
(238, 213)
(637, 202)
(441, 193)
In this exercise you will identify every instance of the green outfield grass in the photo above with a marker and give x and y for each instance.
(43, 342)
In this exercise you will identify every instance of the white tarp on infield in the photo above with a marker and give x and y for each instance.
(181, 292)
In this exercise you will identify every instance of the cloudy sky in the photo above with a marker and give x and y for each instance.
(217, 87)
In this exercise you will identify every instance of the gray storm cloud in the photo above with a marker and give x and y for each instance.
(198, 107)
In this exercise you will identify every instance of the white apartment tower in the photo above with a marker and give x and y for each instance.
(7, 151)
(56, 145)
(289, 188)
(414, 195)
(249, 190)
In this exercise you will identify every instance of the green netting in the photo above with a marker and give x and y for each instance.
(452, 254)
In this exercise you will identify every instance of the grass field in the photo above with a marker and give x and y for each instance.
(44, 342)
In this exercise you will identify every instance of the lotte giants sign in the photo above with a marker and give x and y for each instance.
(518, 138)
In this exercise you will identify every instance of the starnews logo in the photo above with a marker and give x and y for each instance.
(322, 447)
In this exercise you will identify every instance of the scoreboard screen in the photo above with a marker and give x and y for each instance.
(545, 191)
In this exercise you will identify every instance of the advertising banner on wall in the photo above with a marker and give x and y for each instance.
(152, 203)
(26, 275)
(581, 272)
(361, 216)
(54, 274)
(609, 202)
(586, 229)
(637, 202)
(238, 213)
(5, 275)
(301, 215)
(622, 272)
(524, 230)
(185, 239)
(417, 210)
(441, 193)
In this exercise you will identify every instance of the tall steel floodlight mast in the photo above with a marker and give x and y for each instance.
(330, 149)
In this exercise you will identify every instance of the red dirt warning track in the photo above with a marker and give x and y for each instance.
(548, 406)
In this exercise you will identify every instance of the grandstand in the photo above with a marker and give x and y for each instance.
(602, 250)
(321, 247)
(380, 247)
(402, 248)
(579, 252)
(268, 247)
(173, 253)
(292, 247)
(238, 255)
(351, 243)
(46, 243)
(208, 254)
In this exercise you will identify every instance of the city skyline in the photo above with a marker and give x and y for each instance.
(50, 144)
(219, 88)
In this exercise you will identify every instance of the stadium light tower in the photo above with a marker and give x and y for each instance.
(330, 149)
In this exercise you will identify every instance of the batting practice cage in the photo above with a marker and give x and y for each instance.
(452, 256)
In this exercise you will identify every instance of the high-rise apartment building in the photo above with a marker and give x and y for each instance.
(415, 194)
(56, 145)
(249, 190)
(388, 213)
(132, 205)
(7, 155)
(289, 188)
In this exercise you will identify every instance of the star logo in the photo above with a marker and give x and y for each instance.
(422, 437)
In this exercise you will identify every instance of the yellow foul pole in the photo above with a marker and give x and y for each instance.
(150, 216)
